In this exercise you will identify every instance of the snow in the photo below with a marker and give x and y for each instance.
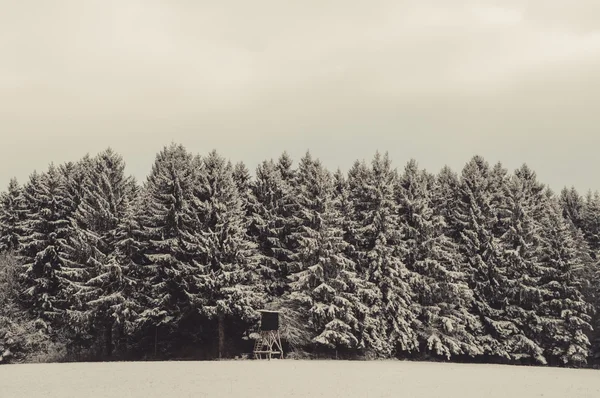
(289, 378)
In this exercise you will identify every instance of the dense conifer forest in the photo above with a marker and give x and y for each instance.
(476, 265)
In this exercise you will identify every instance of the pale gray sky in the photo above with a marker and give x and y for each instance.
(439, 81)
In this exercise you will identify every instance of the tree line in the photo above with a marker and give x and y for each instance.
(484, 265)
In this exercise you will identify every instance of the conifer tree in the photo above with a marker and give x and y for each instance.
(443, 298)
(325, 283)
(590, 223)
(168, 233)
(243, 182)
(75, 175)
(378, 253)
(475, 221)
(272, 224)
(285, 166)
(126, 277)
(572, 206)
(45, 283)
(107, 193)
(10, 217)
(519, 276)
(344, 206)
(564, 311)
(228, 282)
(445, 200)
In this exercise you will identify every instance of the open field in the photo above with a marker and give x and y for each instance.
(290, 378)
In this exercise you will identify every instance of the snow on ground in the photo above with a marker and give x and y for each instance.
(289, 378)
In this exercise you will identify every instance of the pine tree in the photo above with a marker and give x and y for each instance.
(243, 182)
(228, 283)
(107, 193)
(272, 223)
(285, 166)
(168, 230)
(475, 219)
(127, 262)
(45, 283)
(378, 253)
(75, 175)
(572, 205)
(590, 223)
(444, 323)
(344, 206)
(445, 200)
(325, 284)
(10, 217)
(565, 313)
(522, 269)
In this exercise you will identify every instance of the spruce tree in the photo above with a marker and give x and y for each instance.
(168, 232)
(243, 182)
(107, 193)
(564, 310)
(445, 200)
(443, 298)
(75, 175)
(45, 284)
(379, 252)
(572, 206)
(325, 285)
(228, 283)
(475, 220)
(11, 216)
(271, 225)
(590, 223)
(522, 268)
(344, 206)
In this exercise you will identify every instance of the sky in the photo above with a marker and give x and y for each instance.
(438, 81)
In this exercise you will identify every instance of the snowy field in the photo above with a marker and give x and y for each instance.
(290, 378)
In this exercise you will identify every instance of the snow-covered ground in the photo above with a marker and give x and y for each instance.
(290, 378)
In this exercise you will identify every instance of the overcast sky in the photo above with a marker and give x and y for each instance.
(438, 81)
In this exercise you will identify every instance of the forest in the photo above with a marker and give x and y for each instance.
(480, 265)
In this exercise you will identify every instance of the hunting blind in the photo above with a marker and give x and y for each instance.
(269, 341)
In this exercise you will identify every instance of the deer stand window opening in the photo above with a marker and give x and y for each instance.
(269, 341)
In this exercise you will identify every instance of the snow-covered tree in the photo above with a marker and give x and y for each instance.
(519, 275)
(445, 197)
(564, 313)
(20, 339)
(475, 221)
(344, 206)
(168, 233)
(243, 182)
(126, 275)
(572, 205)
(590, 223)
(378, 253)
(228, 283)
(285, 166)
(272, 222)
(325, 284)
(44, 233)
(443, 298)
(75, 174)
(11, 215)
(107, 194)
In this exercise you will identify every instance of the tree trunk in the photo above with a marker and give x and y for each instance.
(108, 339)
(155, 341)
(221, 319)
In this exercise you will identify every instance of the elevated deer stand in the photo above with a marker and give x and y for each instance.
(269, 341)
